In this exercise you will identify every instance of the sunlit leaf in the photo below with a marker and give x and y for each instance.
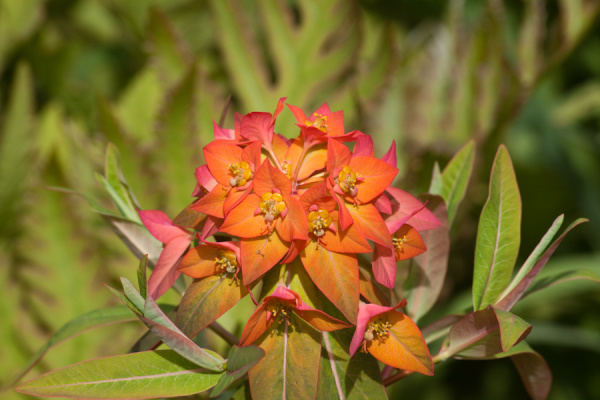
(498, 233)
(148, 374)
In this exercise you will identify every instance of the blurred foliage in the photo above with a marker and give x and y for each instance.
(151, 75)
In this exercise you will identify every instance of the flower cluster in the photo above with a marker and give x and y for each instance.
(322, 198)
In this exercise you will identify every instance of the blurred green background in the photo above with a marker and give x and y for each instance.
(152, 75)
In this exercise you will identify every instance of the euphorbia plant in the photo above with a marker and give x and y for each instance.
(312, 231)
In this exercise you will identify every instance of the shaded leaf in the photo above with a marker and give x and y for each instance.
(239, 362)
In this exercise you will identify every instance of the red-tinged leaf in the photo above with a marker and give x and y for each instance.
(344, 215)
(294, 225)
(404, 348)
(223, 134)
(260, 254)
(383, 204)
(257, 325)
(412, 244)
(242, 220)
(485, 333)
(267, 178)
(338, 156)
(384, 265)
(376, 174)
(199, 262)
(212, 203)
(427, 271)
(147, 374)
(288, 370)
(405, 204)
(206, 300)
(190, 218)
(519, 286)
(218, 159)
(256, 126)
(280, 147)
(314, 160)
(319, 319)
(211, 226)
(234, 197)
(350, 240)
(370, 288)
(298, 113)
(165, 273)
(336, 275)
(367, 314)
(160, 226)
(534, 372)
(205, 178)
(369, 222)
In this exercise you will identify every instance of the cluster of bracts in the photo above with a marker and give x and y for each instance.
(311, 202)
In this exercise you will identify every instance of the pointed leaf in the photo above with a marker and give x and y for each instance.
(261, 254)
(370, 224)
(428, 271)
(76, 326)
(455, 178)
(512, 329)
(288, 368)
(511, 298)
(141, 275)
(239, 362)
(148, 374)
(206, 300)
(336, 275)
(498, 234)
(555, 279)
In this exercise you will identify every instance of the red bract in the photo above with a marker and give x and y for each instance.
(277, 307)
(176, 239)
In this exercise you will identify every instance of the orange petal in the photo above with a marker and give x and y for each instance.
(267, 178)
(349, 241)
(235, 197)
(199, 262)
(242, 222)
(218, 158)
(257, 325)
(404, 348)
(338, 156)
(314, 160)
(260, 254)
(336, 275)
(370, 223)
(411, 246)
(212, 203)
(295, 223)
(377, 176)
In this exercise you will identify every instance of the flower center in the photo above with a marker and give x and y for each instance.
(226, 262)
(241, 173)
(347, 181)
(318, 221)
(277, 309)
(272, 205)
(379, 329)
(320, 122)
(399, 244)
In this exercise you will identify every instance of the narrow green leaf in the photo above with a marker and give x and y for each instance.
(288, 369)
(455, 178)
(510, 299)
(498, 234)
(534, 256)
(347, 378)
(435, 186)
(530, 41)
(148, 374)
(133, 295)
(76, 326)
(239, 362)
(141, 275)
(547, 281)
(114, 176)
(428, 270)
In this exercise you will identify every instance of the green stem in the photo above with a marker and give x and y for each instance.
(224, 334)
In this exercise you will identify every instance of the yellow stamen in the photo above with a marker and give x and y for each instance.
(271, 205)
(318, 221)
(240, 173)
(320, 122)
(347, 181)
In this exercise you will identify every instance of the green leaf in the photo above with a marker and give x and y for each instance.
(428, 270)
(507, 301)
(76, 326)
(114, 177)
(347, 378)
(148, 374)
(561, 277)
(288, 369)
(498, 234)
(530, 42)
(141, 276)
(239, 362)
(455, 178)
(435, 186)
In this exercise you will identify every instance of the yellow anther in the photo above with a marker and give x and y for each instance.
(318, 221)
(320, 122)
(226, 262)
(240, 173)
(279, 309)
(347, 181)
(272, 205)
(277, 197)
(266, 196)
